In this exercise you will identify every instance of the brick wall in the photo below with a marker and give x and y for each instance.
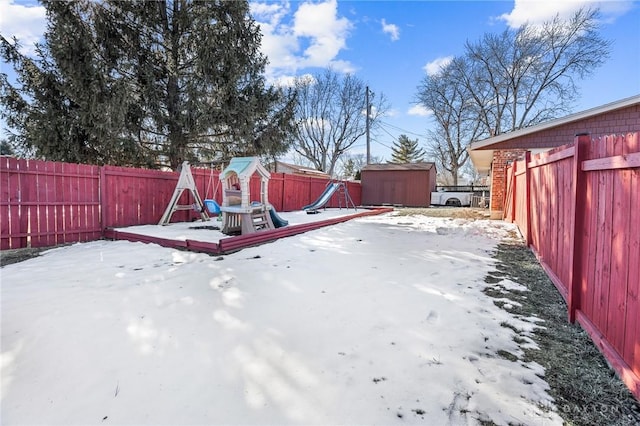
(500, 160)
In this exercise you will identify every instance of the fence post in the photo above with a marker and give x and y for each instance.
(527, 195)
(514, 189)
(281, 206)
(102, 198)
(578, 190)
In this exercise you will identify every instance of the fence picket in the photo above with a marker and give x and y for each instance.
(619, 254)
(591, 248)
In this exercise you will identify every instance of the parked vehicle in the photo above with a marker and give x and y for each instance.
(452, 199)
(460, 196)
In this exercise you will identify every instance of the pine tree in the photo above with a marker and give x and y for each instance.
(65, 107)
(150, 83)
(405, 150)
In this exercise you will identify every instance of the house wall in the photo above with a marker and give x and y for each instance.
(501, 158)
(411, 188)
(621, 121)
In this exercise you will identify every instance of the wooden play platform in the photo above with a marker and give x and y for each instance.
(235, 243)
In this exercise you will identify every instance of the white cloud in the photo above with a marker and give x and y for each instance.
(419, 110)
(326, 32)
(284, 81)
(392, 113)
(391, 29)
(433, 67)
(537, 12)
(25, 22)
(272, 12)
(311, 36)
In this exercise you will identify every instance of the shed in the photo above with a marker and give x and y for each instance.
(407, 184)
(490, 156)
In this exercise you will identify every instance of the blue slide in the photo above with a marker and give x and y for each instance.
(277, 220)
(323, 199)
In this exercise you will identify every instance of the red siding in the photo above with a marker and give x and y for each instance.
(621, 121)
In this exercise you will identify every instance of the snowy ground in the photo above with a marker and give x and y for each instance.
(379, 320)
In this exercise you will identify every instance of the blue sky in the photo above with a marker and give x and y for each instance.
(392, 44)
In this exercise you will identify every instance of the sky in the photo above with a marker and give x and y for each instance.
(318, 328)
(392, 45)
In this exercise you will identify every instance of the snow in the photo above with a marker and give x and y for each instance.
(378, 320)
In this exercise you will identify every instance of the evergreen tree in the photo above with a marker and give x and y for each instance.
(349, 169)
(5, 148)
(405, 150)
(149, 83)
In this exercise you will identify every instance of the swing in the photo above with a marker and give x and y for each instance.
(212, 206)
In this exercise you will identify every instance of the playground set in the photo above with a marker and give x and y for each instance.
(240, 213)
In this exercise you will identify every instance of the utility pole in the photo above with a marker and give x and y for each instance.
(367, 126)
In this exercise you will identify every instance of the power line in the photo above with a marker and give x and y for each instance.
(393, 137)
(401, 129)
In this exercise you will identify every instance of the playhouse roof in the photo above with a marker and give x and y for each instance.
(245, 167)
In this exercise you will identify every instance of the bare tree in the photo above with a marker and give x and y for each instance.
(527, 76)
(331, 116)
(509, 81)
(351, 164)
(455, 117)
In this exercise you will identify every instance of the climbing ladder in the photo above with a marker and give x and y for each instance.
(247, 222)
(185, 182)
(343, 196)
(257, 221)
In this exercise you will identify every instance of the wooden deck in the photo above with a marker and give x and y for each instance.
(233, 244)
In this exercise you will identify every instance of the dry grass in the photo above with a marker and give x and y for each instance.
(586, 390)
(7, 257)
(453, 212)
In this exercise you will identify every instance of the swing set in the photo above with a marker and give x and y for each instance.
(187, 183)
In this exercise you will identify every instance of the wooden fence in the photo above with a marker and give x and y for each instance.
(45, 203)
(576, 206)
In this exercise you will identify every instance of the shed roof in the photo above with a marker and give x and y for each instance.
(396, 166)
(245, 167)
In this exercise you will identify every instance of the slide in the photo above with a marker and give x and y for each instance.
(278, 221)
(324, 198)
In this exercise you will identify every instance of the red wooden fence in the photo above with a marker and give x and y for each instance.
(46, 203)
(577, 207)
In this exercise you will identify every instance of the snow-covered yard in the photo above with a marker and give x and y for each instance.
(379, 320)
